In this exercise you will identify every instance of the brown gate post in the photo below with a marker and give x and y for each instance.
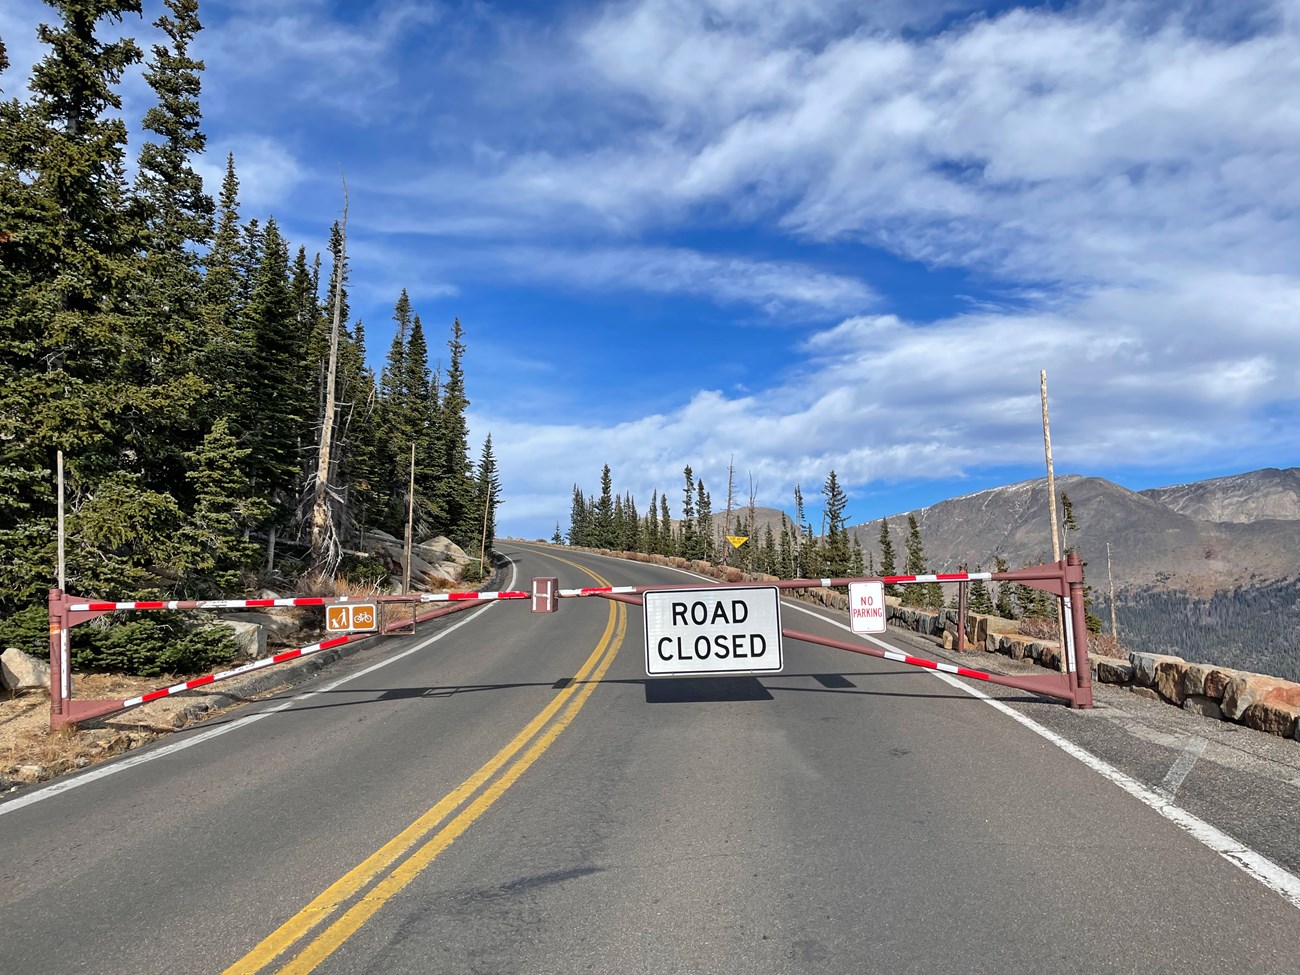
(58, 643)
(961, 615)
(1079, 627)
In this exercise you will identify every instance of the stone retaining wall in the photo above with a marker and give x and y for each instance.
(1257, 701)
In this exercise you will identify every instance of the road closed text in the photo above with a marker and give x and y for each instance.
(712, 631)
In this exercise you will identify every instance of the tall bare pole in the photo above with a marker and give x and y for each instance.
(1051, 476)
(1114, 626)
(482, 548)
(63, 578)
(726, 524)
(410, 524)
(1051, 501)
(320, 512)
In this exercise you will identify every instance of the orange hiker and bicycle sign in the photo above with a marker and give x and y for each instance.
(349, 618)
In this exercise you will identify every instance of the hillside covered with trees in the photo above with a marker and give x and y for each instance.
(220, 426)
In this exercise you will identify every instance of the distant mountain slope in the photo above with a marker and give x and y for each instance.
(1151, 542)
(1240, 498)
(1209, 570)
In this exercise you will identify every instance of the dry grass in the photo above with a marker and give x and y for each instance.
(1044, 628)
(30, 752)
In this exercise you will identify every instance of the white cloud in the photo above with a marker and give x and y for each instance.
(268, 171)
(1139, 379)
(774, 286)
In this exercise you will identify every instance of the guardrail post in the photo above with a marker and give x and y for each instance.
(1079, 627)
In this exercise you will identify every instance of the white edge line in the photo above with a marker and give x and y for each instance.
(131, 761)
(1268, 873)
(1260, 867)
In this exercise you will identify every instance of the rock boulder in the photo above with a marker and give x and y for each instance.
(22, 672)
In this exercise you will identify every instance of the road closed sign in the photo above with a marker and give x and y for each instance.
(693, 632)
(867, 607)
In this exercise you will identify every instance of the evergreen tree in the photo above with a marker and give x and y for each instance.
(704, 541)
(453, 438)
(652, 525)
(631, 524)
(214, 542)
(979, 600)
(856, 568)
(768, 559)
(686, 543)
(176, 212)
(226, 353)
(68, 270)
(665, 526)
(888, 560)
(579, 522)
(837, 557)
(603, 520)
(489, 494)
(273, 411)
(919, 594)
(786, 565)
(1005, 604)
(800, 536)
(557, 538)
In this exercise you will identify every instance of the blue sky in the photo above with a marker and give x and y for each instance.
(809, 234)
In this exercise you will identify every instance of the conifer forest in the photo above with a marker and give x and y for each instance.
(220, 427)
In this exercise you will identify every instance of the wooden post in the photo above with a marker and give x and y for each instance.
(482, 549)
(410, 521)
(1114, 626)
(1051, 500)
(63, 580)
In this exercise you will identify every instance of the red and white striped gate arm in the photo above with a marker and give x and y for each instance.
(279, 658)
(786, 583)
(434, 597)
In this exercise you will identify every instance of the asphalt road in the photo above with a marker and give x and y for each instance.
(516, 796)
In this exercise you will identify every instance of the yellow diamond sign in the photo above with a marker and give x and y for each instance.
(737, 540)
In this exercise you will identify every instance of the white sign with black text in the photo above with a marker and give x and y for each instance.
(692, 632)
(867, 607)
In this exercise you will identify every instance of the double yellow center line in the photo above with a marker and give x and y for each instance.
(515, 758)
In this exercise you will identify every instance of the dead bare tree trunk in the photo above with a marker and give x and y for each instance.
(749, 553)
(325, 549)
(1051, 500)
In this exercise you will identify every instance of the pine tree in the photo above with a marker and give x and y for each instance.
(214, 542)
(686, 542)
(68, 269)
(888, 560)
(631, 524)
(786, 565)
(856, 568)
(226, 352)
(914, 594)
(1005, 604)
(652, 525)
(800, 536)
(176, 212)
(489, 493)
(273, 411)
(665, 526)
(603, 515)
(704, 541)
(837, 556)
(578, 519)
(453, 436)
(557, 538)
(979, 600)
